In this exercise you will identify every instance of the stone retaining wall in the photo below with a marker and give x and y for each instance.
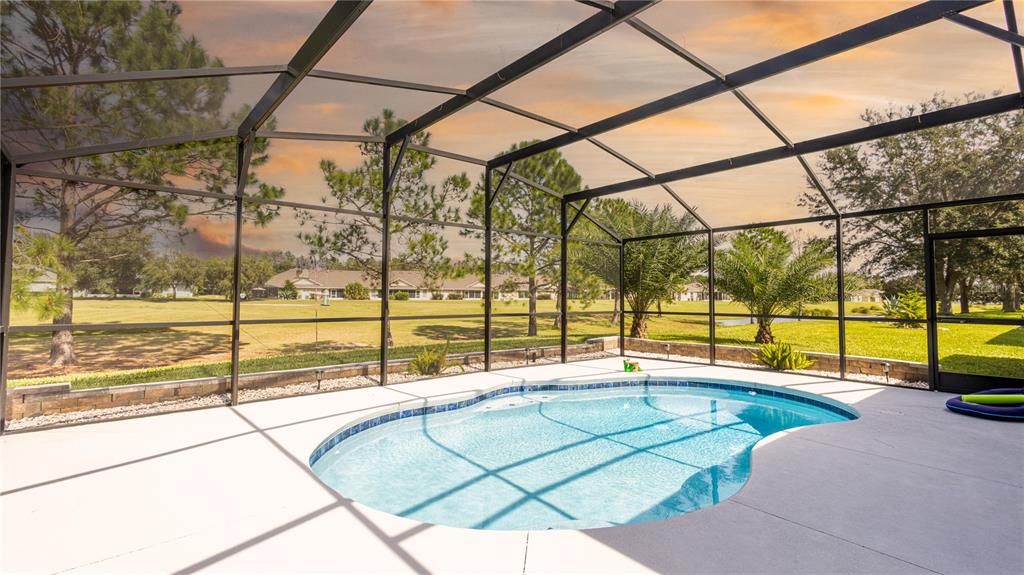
(29, 401)
(50, 399)
(901, 370)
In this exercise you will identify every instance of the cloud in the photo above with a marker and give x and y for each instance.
(678, 123)
(322, 108)
(783, 26)
(241, 34)
(293, 160)
(210, 237)
(482, 131)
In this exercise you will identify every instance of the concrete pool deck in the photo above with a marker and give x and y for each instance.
(907, 488)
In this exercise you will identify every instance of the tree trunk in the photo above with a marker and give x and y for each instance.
(965, 295)
(531, 329)
(638, 328)
(62, 343)
(659, 308)
(387, 331)
(1006, 297)
(764, 331)
(945, 281)
(174, 292)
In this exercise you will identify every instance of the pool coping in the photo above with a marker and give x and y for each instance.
(463, 400)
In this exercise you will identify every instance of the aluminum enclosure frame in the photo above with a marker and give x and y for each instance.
(343, 14)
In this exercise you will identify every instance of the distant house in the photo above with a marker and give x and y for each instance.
(176, 292)
(696, 291)
(314, 284)
(44, 282)
(865, 295)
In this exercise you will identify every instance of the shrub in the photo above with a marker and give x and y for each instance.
(905, 308)
(430, 361)
(781, 356)
(401, 296)
(543, 296)
(817, 312)
(288, 291)
(437, 296)
(864, 309)
(454, 296)
(356, 290)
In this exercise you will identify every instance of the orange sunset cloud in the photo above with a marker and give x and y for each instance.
(784, 26)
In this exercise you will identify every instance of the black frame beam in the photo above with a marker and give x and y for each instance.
(564, 42)
(563, 278)
(667, 43)
(338, 20)
(48, 156)
(841, 295)
(892, 24)
(970, 111)
(857, 214)
(137, 76)
(341, 16)
(390, 176)
(7, 176)
(383, 82)
(987, 29)
(243, 157)
(711, 297)
(929, 296)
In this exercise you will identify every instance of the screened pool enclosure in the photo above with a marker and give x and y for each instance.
(213, 202)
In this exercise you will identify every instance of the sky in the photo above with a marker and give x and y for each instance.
(459, 43)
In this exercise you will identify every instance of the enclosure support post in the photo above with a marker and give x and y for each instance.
(711, 296)
(563, 281)
(487, 269)
(622, 298)
(489, 198)
(385, 280)
(6, 257)
(841, 292)
(390, 175)
(244, 153)
(929, 296)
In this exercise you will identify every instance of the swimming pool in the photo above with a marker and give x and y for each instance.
(555, 456)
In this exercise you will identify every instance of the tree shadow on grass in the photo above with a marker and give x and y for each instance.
(1014, 337)
(983, 365)
(115, 350)
(442, 332)
(320, 346)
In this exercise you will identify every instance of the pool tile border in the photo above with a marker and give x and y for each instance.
(760, 389)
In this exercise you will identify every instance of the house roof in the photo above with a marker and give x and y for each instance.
(338, 279)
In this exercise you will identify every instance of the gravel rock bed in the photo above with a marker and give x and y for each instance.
(246, 395)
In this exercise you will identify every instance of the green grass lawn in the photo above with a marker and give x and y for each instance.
(115, 357)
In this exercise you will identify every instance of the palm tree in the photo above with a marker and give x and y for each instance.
(763, 271)
(655, 269)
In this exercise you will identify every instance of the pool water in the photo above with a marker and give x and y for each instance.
(564, 459)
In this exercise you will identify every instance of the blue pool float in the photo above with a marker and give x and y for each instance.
(1001, 412)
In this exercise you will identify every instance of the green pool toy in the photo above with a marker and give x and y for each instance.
(630, 365)
(994, 399)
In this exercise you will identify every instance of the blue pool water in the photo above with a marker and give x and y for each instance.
(564, 459)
